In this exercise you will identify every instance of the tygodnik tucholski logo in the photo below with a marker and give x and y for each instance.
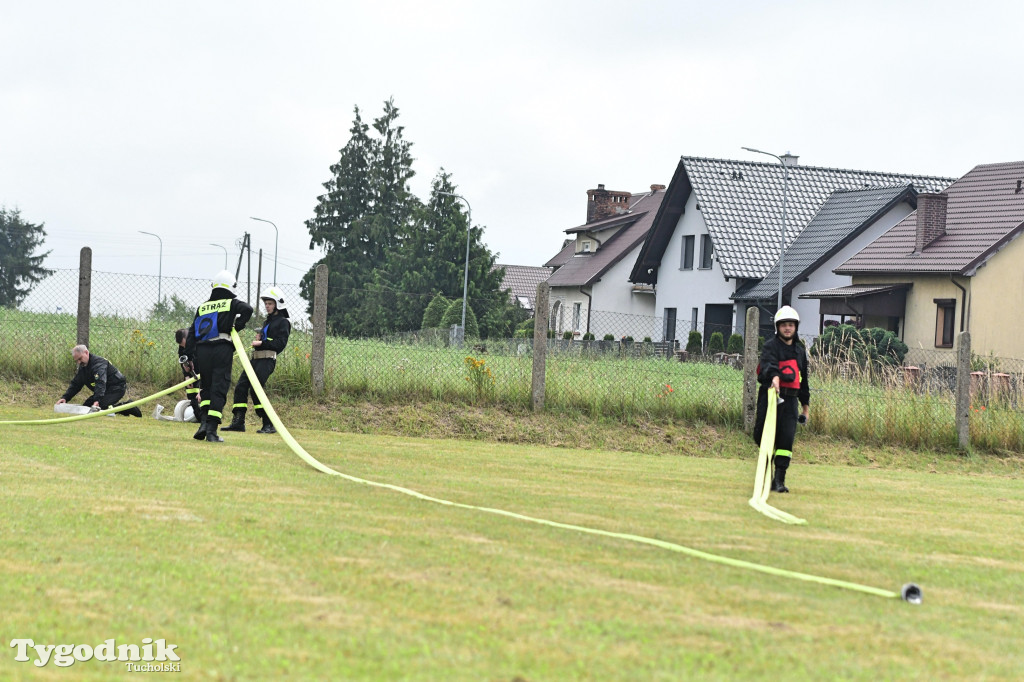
(151, 656)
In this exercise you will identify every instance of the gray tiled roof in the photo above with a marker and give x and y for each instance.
(585, 269)
(741, 202)
(522, 281)
(985, 209)
(844, 215)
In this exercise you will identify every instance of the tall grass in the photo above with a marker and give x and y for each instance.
(865, 404)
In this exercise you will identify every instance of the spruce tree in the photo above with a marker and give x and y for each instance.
(365, 214)
(20, 267)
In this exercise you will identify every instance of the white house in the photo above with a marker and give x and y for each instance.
(718, 232)
(590, 288)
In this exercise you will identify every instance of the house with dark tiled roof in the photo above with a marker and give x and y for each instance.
(849, 220)
(720, 227)
(521, 282)
(590, 288)
(955, 264)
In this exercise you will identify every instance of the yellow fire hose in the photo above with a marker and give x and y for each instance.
(910, 592)
(109, 410)
(763, 475)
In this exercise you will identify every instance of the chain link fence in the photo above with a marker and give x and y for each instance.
(638, 368)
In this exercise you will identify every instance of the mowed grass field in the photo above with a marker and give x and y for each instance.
(258, 567)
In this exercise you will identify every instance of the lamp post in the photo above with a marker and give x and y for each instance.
(160, 271)
(276, 235)
(465, 275)
(782, 232)
(225, 253)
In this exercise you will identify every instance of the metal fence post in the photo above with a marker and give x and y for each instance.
(750, 357)
(84, 294)
(963, 390)
(319, 328)
(540, 344)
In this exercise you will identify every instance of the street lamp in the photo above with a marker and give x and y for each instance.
(276, 234)
(225, 253)
(160, 271)
(465, 276)
(785, 192)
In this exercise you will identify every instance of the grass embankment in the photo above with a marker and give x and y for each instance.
(258, 567)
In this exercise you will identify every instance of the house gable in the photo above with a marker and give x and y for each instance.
(741, 204)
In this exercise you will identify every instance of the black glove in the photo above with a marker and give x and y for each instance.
(802, 418)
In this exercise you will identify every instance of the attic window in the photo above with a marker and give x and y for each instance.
(586, 247)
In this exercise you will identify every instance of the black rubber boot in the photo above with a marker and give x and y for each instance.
(200, 434)
(779, 480)
(211, 433)
(135, 411)
(237, 422)
(268, 426)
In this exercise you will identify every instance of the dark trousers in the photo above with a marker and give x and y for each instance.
(785, 420)
(263, 368)
(107, 399)
(214, 360)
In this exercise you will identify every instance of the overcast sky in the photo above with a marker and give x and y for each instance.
(186, 118)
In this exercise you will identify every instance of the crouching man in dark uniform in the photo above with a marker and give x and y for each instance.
(783, 366)
(269, 341)
(209, 341)
(105, 381)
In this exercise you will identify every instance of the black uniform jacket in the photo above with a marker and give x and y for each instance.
(275, 333)
(789, 363)
(99, 375)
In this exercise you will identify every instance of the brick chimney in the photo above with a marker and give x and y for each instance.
(655, 188)
(931, 219)
(603, 203)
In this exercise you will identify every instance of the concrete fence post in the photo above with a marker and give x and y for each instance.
(84, 294)
(318, 354)
(750, 357)
(540, 345)
(963, 390)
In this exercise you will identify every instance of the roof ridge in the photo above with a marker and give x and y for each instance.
(825, 168)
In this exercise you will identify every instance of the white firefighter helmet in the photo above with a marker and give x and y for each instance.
(787, 314)
(183, 412)
(224, 280)
(274, 294)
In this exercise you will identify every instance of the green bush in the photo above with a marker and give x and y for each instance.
(609, 337)
(716, 344)
(526, 326)
(567, 335)
(589, 336)
(435, 311)
(627, 340)
(735, 344)
(453, 315)
(846, 343)
(695, 344)
(647, 339)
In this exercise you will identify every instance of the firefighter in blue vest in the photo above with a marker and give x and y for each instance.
(269, 342)
(209, 341)
(783, 366)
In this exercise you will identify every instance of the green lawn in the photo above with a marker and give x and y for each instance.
(258, 567)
